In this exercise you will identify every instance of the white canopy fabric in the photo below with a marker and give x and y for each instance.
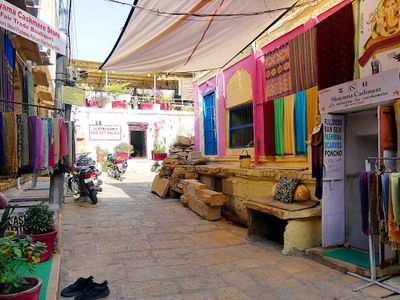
(153, 43)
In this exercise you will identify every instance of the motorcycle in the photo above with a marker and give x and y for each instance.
(84, 182)
(84, 159)
(116, 167)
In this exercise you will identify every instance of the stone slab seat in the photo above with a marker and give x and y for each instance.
(301, 231)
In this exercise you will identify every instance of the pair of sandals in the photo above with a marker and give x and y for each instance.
(86, 289)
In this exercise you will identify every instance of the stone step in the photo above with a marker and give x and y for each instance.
(210, 213)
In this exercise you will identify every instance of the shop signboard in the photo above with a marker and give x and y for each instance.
(72, 95)
(359, 94)
(105, 132)
(333, 147)
(377, 36)
(28, 26)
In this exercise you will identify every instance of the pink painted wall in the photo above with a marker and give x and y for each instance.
(221, 103)
(196, 118)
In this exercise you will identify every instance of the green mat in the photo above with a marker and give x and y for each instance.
(42, 271)
(350, 255)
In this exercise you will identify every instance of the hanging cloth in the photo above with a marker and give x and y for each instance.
(45, 134)
(317, 158)
(10, 167)
(300, 123)
(385, 197)
(19, 139)
(373, 215)
(28, 88)
(288, 126)
(269, 135)
(63, 139)
(2, 155)
(396, 107)
(24, 141)
(10, 56)
(39, 130)
(363, 186)
(312, 109)
(394, 233)
(34, 143)
(394, 178)
(69, 142)
(278, 125)
(56, 136)
(51, 143)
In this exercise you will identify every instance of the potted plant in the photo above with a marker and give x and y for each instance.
(159, 149)
(123, 150)
(39, 224)
(18, 255)
(165, 99)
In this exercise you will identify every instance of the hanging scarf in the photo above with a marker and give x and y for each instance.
(10, 167)
(19, 140)
(51, 143)
(385, 197)
(24, 141)
(2, 155)
(300, 123)
(269, 128)
(63, 139)
(394, 233)
(288, 126)
(278, 125)
(312, 108)
(56, 136)
(35, 142)
(363, 186)
(69, 142)
(394, 177)
(45, 130)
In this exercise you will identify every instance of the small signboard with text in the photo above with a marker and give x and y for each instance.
(72, 95)
(105, 132)
(363, 93)
(333, 146)
(28, 26)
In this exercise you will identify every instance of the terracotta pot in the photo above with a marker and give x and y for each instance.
(122, 155)
(46, 238)
(158, 156)
(165, 106)
(31, 294)
(146, 106)
(118, 104)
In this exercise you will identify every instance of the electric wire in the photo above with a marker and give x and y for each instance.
(205, 15)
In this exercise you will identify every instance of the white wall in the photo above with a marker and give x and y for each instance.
(174, 123)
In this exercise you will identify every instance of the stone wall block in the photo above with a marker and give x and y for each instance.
(210, 213)
(210, 197)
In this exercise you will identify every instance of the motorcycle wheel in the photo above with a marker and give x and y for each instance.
(93, 196)
(74, 187)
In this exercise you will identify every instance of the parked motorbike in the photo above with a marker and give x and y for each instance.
(116, 167)
(84, 182)
(84, 159)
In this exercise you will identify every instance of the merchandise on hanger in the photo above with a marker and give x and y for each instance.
(363, 185)
(10, 166)
(312, 109)
(300, 123)
(288, 126)
(317, 158)
(2, 156)
(278, 125)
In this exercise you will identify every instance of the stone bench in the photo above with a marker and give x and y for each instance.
(296, 227)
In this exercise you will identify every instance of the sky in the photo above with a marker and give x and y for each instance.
(98, 24)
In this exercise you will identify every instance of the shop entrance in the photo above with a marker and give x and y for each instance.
(361, 141)
(138, 139)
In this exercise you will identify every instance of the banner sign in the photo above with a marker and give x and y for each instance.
(378, 36)
(28, 26)
(333, 146)
(362, 93)
(72, 95)
(105, 132)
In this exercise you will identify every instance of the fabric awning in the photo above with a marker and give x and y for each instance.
(152, 42)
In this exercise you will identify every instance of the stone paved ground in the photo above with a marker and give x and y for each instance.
(149, 248)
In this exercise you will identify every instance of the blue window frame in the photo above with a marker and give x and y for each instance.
(210, 132)
(241, 126)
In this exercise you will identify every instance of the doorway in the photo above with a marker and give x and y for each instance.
(138, 141)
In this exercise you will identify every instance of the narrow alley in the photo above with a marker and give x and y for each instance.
(147, 247)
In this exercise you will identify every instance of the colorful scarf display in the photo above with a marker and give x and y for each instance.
(279, 107)
(335, 48)
(278, 74)
(63, 139)
(269, 128)
(312, 109)
(288, 126)
(300, 123)
(303, 59)
(2, 156)
(56, 141)
(45, 134)
(10, 166)
(24, 141)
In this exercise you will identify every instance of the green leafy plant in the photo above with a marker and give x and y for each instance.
(5, 218)
(123, 147)
(17, 254)
(159, 145)
(39, 219)
(155, 166)
(165, 98)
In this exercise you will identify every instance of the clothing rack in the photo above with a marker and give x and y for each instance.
(372, 280)
(33, 105)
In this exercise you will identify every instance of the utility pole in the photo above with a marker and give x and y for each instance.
(57, 181)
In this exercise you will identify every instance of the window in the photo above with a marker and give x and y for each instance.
(241, 126)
